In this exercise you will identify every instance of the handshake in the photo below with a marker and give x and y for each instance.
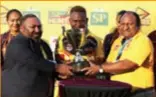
(64, 70)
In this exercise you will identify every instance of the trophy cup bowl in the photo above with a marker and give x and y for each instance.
(78, 66)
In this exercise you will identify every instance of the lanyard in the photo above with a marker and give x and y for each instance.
(122, 48)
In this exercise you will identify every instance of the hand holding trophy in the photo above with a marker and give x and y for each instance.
(78, 64)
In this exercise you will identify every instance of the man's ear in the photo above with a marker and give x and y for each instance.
(21, 28)
(138, 28)
(70, 20)
(87, 21)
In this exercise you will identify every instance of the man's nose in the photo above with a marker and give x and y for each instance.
(16, 22)
(125, 27)
(78, 24)
(37, 29)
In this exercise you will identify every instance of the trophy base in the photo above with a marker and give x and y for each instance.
(79, 73)
(78, 66)
(103, 76)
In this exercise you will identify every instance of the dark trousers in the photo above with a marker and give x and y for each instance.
(149, 92)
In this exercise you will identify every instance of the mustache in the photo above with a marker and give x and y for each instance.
(40, 32)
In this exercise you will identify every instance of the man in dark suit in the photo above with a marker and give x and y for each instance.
(26, 71)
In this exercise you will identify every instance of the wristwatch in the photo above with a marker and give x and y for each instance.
(101, 69)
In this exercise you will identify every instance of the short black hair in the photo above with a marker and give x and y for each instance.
(25, 17)
(78, 9)
(120, 13)
(11, 11)
(138, 20)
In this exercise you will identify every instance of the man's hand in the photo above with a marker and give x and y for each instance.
(92, 70)
(64, 70)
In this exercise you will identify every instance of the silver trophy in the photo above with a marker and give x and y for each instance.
(79, 63)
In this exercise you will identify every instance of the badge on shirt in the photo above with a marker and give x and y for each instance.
(116, 47)
(69, 47)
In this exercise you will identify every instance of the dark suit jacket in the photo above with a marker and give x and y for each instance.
(25, 71)
(3, 44)
(46, 49)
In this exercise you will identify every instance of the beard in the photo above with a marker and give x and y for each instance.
(76, 31)
(37, 36)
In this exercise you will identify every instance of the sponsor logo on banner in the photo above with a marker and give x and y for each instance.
(144, 16)
(99, 17)
(58, 17)
(3, 13)
(37, 13)
(31, 10)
